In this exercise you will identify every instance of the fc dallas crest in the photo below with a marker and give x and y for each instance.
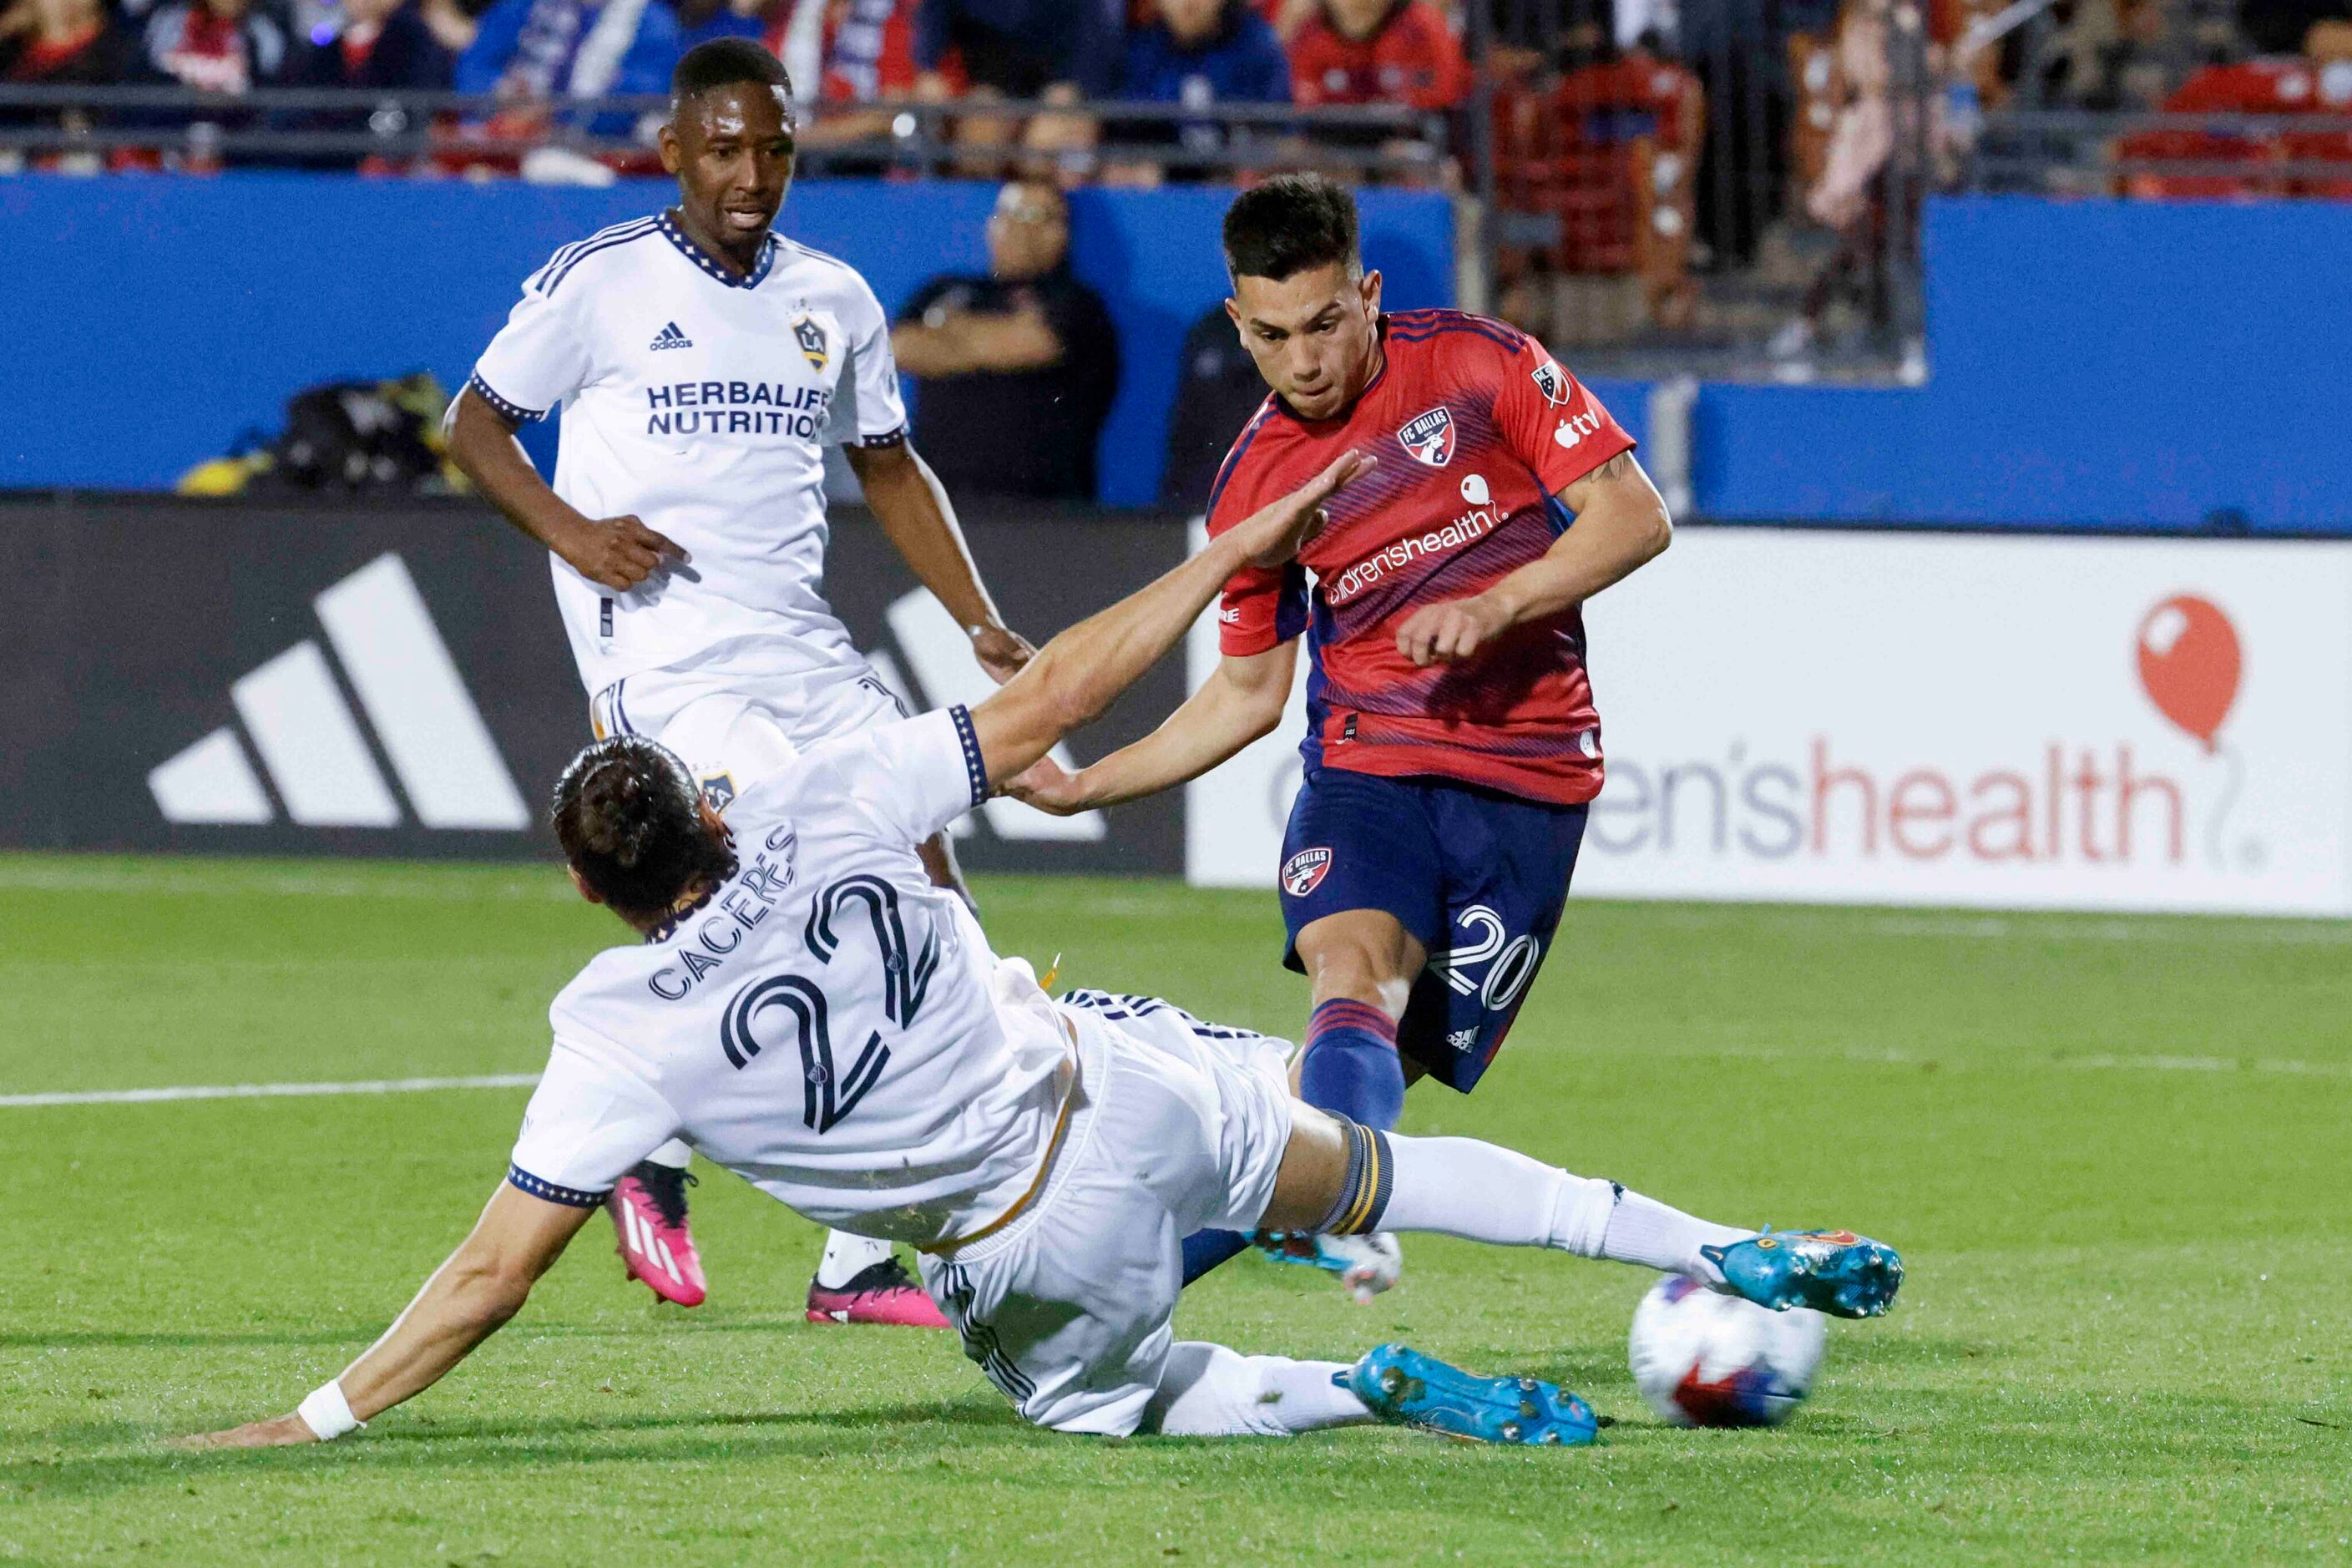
(1430, 436)
(1304, 870)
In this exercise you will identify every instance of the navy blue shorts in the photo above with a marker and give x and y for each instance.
(1478, 877)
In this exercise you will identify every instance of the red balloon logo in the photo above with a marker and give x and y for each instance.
(2190, 661)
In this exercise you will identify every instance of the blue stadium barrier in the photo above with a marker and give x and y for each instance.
(154, 318)
(2134, 364)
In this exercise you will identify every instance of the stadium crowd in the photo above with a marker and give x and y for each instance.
(532, 57)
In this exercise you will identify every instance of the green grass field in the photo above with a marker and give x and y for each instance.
(2115, 1153)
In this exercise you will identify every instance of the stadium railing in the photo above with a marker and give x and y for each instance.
(400, 131)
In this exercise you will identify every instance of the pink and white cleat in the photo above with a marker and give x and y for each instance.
(882, 1293)
(649, 1215)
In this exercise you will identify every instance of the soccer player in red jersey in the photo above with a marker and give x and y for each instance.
(1451, 745)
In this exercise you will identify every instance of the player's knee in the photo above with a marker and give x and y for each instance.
(1355, 971)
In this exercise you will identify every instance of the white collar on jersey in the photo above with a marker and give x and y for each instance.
(703, 258)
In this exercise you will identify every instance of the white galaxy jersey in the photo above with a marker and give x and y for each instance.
(828, 1024)
(702, 406)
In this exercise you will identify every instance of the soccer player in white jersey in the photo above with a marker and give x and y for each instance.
(809, 1012)
(703, 362)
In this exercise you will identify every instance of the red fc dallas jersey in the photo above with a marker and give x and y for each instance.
(1476, 429)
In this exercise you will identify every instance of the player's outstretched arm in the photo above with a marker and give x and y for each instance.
(1620, 525)
(617, 552)
(1078, 674)
(908, 500)
(484, 1283)
(1242, 700)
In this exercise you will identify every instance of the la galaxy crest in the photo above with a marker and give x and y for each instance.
(811, 337)
(1429, 436)
(719, 791)
(1303, 872)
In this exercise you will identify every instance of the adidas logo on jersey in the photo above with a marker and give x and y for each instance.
(669, 337)
(310, 742)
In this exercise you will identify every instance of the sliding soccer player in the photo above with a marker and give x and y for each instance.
(811, 1012)
(704, 362)
(1452, 746)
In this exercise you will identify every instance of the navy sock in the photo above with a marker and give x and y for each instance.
(1204, 1249)
(1351, 1066)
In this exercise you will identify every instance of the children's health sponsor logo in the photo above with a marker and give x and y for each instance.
(1471, 525)
(2114, 803)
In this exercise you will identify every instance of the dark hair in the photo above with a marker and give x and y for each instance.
(723, 62)
(1289, 224)
(630, 824)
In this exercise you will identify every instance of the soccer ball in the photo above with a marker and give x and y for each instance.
(1704, 1359)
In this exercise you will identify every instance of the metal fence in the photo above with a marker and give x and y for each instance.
(1726, 188)
(91, 129)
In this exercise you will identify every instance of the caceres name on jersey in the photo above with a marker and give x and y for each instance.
(1478, 430)
(826, 1024)
(701, 404)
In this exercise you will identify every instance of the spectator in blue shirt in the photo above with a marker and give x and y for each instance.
(543, 51)
(1195, 53)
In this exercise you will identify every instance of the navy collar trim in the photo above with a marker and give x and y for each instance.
(679, 917)
(677, 235)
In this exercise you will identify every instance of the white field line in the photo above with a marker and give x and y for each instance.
(265, 1090)
(2101, 1062)
(2288, 1067)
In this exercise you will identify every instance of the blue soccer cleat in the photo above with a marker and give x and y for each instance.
(1414, 1390)
(1832, 1271)
(1366, 1265)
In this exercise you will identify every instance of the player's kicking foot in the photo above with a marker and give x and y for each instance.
(1366, 1265)
(649, 1215)
(882, 1293)
(1411, 1389)
(1832, 1271)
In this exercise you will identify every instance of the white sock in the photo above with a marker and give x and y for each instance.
(673, 1153)
(846, 1257)
(1483, 1192)
(1208, 1391)
(1646, 1231)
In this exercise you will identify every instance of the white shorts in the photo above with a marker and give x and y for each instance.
(734, 717)
(1178, 1124)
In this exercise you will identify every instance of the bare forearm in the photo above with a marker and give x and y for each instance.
(458, 1310)
(1078, 674)
(1213, 724)
(484, 447)
(928, 351)
(908, 500)
(1617, 533)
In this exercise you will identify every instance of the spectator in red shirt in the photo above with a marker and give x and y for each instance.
(61, 43)
(1378, 51)
(215, 45)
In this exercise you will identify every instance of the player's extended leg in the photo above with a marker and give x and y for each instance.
(1362, 896)
(1338, 1178)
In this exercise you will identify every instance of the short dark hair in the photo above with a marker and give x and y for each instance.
(630, 822)
(1289, 224)
(723, 62)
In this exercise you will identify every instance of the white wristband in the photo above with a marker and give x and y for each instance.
(327, 1413)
